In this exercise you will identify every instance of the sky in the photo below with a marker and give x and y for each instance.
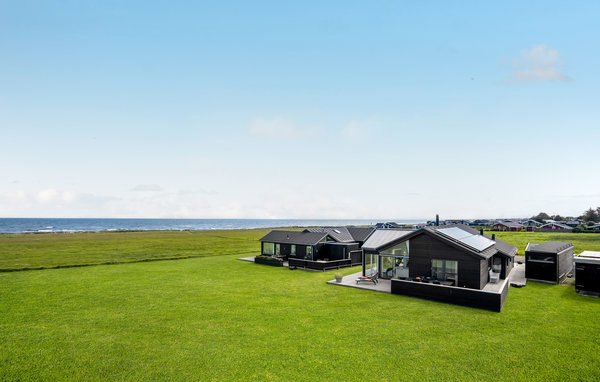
(312, 109)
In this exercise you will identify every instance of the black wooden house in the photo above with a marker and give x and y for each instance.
(316, 248)
(452, 263)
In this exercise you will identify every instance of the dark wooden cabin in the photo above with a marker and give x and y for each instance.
(424, 263)
(587, 273)
(316, 248)
(548, 262)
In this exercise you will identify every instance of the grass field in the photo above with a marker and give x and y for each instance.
(218, 318)
(39, 251)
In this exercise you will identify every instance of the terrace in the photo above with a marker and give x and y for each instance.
(491, 297)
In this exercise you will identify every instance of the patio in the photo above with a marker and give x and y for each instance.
(350, 281)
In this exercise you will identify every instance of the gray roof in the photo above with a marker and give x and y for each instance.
(502, 246)
(557, 224)
(381, 237)
(361, 234)
(486, 253)
(510, 224)
(294, 237)
(339, 234)
(548, 247)
(588, 257)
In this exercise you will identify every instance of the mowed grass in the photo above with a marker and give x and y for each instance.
(581, 241)
(218, 318)
(39, 251)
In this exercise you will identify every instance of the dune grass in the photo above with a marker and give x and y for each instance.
(218, 318)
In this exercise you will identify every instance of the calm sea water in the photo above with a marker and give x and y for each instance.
(41, 225)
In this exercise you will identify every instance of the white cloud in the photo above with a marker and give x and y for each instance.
(358, 130)
(540, 63)
(147, 187)
(280, 127)
(46, 196)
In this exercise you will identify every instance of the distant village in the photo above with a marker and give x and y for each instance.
(588, 222)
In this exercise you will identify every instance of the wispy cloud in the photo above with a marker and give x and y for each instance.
(280, 127)
(147, 187)
(358, 130)
(540, 63)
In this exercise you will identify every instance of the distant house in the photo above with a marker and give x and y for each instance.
(419, 225)
(531, 223)
(548, 262)
(315, 248)
(387, 225)
(508, 226)
(558, 227)
(574, 223)
(454, 263)
(595, 227)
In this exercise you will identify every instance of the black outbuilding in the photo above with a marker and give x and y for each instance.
(587, 273)
(548, 262)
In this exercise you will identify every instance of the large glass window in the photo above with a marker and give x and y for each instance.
(277, 249)
(444, 270)
(394, 261)
(371, 264)
(293, 250)
(268, 248)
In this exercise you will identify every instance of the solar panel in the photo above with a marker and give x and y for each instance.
(476, 242)
(454, 232)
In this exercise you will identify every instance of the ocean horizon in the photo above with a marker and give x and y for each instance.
(67, 225)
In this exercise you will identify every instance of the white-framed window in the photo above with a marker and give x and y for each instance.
(309, 252)
(293, 250)
(268, 248)
(277, 249)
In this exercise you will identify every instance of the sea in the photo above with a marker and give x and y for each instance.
(54, 225)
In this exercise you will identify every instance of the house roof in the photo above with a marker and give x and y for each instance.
(510, 224)
(502, 246)
(587, 257)
(339, 234)
(294, 237)
(383, 237)
(548, 247)
(360, 233)
(558, 225)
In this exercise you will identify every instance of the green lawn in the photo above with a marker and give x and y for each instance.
(34, 251)
(218, 318)
(581, 241)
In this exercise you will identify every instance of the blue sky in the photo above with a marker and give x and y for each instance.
(307, 110)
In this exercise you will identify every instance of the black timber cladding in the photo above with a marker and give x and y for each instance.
(453, 295)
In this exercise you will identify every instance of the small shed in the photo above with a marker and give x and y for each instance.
(587, 273)
(548, 262)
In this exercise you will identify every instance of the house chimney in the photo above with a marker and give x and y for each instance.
(481, 231)
(437, 219)
(493, 236)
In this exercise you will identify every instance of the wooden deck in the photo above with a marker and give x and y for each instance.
(350, 281)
